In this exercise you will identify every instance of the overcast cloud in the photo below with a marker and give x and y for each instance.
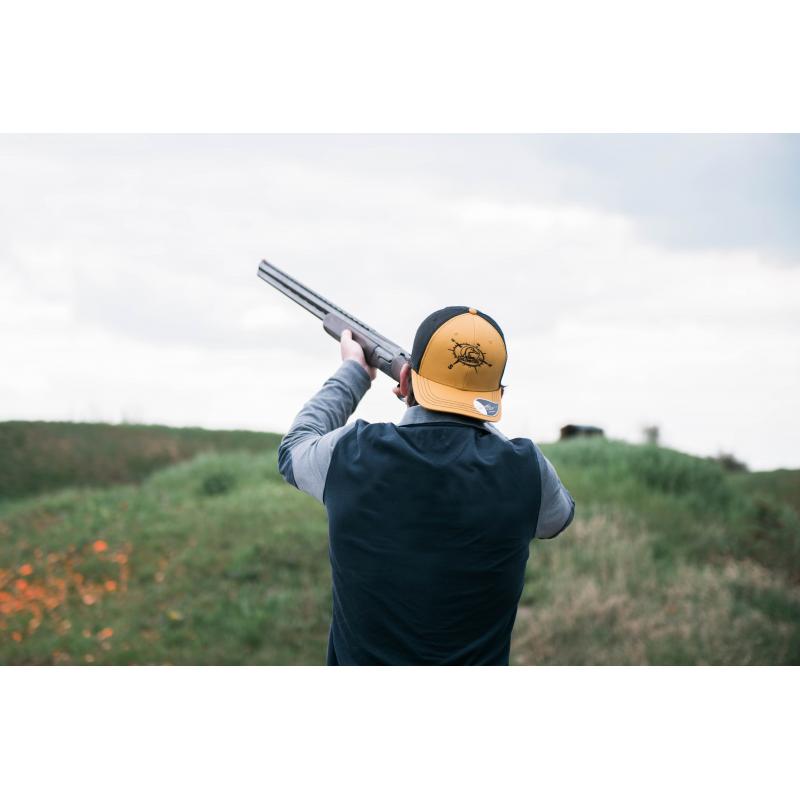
(639, 280)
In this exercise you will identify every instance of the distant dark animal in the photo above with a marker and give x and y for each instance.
(572, 431)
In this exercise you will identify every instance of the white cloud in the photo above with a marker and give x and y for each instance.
(129, 290)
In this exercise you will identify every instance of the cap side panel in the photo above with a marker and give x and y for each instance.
(492, 322)
(427, 328)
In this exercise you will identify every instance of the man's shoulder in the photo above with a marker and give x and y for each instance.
(361, 428)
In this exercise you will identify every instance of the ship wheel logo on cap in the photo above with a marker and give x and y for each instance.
(470, 355)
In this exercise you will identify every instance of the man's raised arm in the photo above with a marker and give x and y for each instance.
(305, 452)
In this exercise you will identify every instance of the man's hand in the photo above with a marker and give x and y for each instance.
(355, 352)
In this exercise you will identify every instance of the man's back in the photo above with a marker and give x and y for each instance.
(430, 526)
(430, 520)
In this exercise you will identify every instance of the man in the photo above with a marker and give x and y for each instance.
(430, 521)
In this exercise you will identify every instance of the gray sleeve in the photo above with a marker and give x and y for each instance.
(305, 452)
(558, 507)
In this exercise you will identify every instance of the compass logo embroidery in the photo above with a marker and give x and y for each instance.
(470, 355)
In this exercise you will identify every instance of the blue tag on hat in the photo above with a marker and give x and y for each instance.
(485, 407)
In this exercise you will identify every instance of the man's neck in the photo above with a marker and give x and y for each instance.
(415, 415)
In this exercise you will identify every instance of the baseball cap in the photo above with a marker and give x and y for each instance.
(457, 363)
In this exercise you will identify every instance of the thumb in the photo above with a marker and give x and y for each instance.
(347, 335)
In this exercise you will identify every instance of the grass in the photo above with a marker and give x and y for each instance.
(39, 456)
(171, 571)
(215, 560)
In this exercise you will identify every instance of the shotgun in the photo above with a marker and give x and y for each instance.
(379, 351)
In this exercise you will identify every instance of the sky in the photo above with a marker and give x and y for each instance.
(639, 279)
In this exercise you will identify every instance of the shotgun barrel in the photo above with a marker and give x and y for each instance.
(379, 351)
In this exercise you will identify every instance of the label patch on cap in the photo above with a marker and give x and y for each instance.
(485, 407)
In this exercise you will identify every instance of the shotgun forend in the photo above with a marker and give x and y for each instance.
(379, 351)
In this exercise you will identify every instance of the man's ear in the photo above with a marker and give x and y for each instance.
(405, 380)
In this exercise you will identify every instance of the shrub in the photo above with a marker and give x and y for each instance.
(676, 473)
(730, 463)
(218, 483)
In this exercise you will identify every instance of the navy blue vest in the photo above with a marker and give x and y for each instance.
(430, 526)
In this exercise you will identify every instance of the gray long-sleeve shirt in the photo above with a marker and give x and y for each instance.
(305, 452)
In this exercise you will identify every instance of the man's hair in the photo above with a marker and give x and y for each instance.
(410, 399)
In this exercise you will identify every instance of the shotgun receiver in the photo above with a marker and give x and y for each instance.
(379, 351)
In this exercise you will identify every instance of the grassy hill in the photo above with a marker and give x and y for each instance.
(38, 456)
(138, 545)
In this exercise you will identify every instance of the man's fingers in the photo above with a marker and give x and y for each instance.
(352, 349)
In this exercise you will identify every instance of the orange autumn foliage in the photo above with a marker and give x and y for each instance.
(59, 578)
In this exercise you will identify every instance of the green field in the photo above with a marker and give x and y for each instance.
(152, 545)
